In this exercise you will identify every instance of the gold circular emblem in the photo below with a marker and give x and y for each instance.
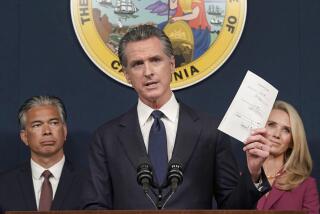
(203, 32)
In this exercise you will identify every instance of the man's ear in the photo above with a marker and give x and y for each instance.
(65, 131)
(173, 64)
(126, 75)
(24, 137)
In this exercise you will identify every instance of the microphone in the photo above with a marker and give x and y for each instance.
(174, 179)
(175, 175)
(145, 179)
(144, 176)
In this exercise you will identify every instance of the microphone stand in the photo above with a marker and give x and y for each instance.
(150, 199)
(175, 177)
(159, 197)
(145, 178)
(167, 198)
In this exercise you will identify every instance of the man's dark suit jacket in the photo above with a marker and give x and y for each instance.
(209, 168)
(17, 192)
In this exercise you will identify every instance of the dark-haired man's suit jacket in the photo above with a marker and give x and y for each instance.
(209, 168)
(17, 192)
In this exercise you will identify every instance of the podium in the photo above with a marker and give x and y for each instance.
(158, 212)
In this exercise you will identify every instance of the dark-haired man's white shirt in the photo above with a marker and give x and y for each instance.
(170, 120)
(37, 179)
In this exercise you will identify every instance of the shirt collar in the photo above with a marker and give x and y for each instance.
(55, 170)
(169, 109)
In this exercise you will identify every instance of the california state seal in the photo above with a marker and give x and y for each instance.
(203, 32)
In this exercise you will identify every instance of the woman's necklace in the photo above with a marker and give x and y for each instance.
(277, 174)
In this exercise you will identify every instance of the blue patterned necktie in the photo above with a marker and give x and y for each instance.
(158, 147)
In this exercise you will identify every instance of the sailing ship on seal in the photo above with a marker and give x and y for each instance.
(125, 7)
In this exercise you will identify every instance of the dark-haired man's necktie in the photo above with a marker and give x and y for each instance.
(157, 148)
(46, 192)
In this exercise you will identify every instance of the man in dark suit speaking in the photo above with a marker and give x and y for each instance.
(162, 154)
(48, 181)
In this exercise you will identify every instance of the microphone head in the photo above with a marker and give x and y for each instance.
(175, 173)
(144, 174)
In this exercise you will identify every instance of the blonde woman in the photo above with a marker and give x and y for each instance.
(289, 165)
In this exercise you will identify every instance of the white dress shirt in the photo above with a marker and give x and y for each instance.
(170, 120)
(37, 171)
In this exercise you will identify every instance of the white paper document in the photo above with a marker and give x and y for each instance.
(250, 107)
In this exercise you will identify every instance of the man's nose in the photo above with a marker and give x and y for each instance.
(148, 69)
(46, 129)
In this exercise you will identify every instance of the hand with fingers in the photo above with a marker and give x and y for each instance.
(257, 148)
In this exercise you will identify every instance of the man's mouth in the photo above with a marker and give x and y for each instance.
(47, 142)
(151, 83)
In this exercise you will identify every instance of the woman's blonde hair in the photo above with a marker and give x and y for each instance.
(298, 162)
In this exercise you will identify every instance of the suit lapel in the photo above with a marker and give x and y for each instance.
(131, 139)
(26, 183)
(188, 132)
(65, 183)
(187, 136)
(274, 195)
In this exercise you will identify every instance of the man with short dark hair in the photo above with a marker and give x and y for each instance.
(48, 181)
(158, 130)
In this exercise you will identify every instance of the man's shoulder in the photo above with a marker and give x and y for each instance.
(13, 172)
(197, 114)
(73, 174)
(73, 168)
(124, 118)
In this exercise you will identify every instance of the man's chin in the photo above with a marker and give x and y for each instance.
(48, 151)
(152, 96)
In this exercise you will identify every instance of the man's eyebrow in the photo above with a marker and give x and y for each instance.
(36, 121)
(40, 121)
(156, 57)
(133, 62)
